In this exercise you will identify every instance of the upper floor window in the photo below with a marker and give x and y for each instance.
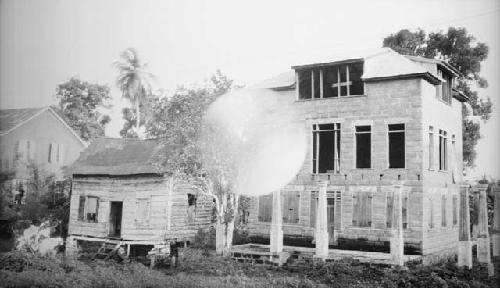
(326, 148)
(443, 91)
(330, 81)
(396, 145)
(443, 150)
(363, 146)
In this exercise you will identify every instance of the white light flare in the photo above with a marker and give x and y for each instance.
(272, 146)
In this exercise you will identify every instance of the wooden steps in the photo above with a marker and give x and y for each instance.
(108, 249)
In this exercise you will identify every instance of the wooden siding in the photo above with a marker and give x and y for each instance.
(128, 190)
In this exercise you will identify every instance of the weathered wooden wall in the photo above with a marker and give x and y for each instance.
(128, 190)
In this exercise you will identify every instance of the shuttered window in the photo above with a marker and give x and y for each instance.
(142, 210)
(390, 210)
(362, 209)
(290, 202)
(265, 208)
(443, 210)
(431, 213)
(455, 210)
(81, 208)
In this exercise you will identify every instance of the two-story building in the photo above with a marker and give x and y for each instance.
(373, 120)
(39, 137)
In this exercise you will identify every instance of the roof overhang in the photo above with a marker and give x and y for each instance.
(324, 64)
(460, 96)
(427, 76)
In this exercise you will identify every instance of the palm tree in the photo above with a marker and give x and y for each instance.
(133, 81)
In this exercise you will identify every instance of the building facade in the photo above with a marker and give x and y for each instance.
(372, 120)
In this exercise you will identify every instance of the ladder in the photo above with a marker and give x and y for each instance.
(108, 249)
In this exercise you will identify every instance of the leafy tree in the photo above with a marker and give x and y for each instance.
(134, 81)
(178, 122)
(461, 50)
(78, 104)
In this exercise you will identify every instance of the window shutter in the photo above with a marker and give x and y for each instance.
(49, 159)
(368, 204)
(405, 211)
(32, 150)
(60, 153)
(390, 209)
(312, 214)
(81, 208)
(355, 209)
(265, 208)
(97, 210)
(16, 150)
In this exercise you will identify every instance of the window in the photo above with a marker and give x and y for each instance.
(431, 147)
(290, 207)
(396, 145)
(443, 210)
(56, 153)
(363, 146)
(24, 150)
(390, 210)
(265, 208)
(142, 210)
(191, 212)
(331, 81)
(455, 210)
(326, 148)
(334, 206)
(443, 91)
(443, 150)
(91, 209)
(362, 209)
(81, 208)
(431, 213)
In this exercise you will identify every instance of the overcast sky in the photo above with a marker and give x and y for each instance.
(44, 43)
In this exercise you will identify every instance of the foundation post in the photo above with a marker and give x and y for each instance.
(397, 241)
(496, 220)
(464, 242)
(277, 224)
(483, 239)
(321, 222)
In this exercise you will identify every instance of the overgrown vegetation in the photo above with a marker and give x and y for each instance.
(199, 269)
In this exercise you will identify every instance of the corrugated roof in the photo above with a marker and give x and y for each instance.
(117, 156)
(11, 118)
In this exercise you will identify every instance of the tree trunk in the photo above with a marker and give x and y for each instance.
(138, 124)
(224, 230)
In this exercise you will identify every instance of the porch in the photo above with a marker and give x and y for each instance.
(261, 254)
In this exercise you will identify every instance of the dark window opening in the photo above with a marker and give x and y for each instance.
(81, 208)
(396, 145)
(305, 84)
(326, 148)
(431, 147)
(91, 209)
(331, 81)
(363, 146)
(191, 212)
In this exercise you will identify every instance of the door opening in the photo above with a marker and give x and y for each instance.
(115, 219)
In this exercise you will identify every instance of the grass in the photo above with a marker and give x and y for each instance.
(197, 268)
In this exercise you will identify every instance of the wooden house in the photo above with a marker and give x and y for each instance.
(119, 192)
(372, 120)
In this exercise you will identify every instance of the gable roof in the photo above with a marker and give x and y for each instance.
(11, 119)
(118, 156)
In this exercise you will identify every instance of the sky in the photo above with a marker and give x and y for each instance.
(44, 43)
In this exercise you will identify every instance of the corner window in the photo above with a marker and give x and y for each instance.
(326, 148)
(396, 145)
(443, 90)
(330, 81)
(363, 146)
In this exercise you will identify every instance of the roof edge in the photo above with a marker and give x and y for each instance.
(42, 109)
(427, 76)
(54, 113)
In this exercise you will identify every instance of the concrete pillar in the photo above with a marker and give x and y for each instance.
(397, 241)
(321, 222)
(71, 249)
(483, 239)
(464, 243)
(496, 220)
(277, 224)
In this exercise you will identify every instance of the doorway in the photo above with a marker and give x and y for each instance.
(115, 219)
